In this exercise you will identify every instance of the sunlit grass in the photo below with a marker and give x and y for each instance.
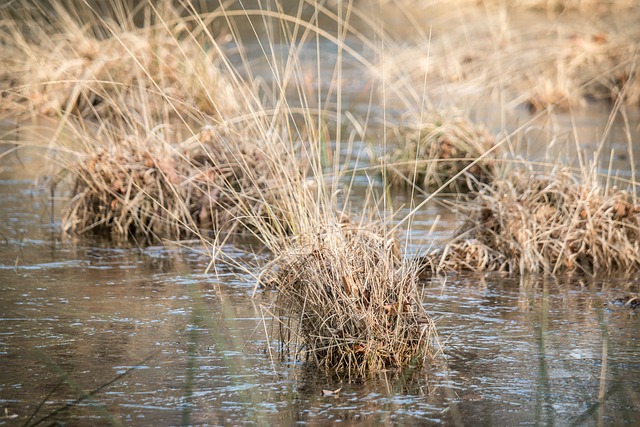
(513, 55)
(167, 132)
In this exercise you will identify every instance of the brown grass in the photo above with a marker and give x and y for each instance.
(545, 223)
(511, 53)
(125, 96)
(55, 65)
(348, 299)
(432, 153)
(565, 5)
(148, 186)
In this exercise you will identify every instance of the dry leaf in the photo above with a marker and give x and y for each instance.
(331, 392)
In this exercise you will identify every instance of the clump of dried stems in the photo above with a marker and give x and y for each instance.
(430, 154)
(350, 302)
(519, 56)
(545, 223)
(150, 186)
(57, 64)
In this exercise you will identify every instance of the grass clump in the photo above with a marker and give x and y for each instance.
(144, 185)
(57, 63)
(430, 154)
(545, 223)
(351, 302)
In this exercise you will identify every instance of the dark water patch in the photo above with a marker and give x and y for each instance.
(543, 353)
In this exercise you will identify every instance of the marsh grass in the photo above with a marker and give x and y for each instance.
(348, 298)
(152, 186)
(57, 63)
(551, 223)
(146, 159)
(557, 6)
(349, 304)
(512, 54)
(154, 139)
(430, 154)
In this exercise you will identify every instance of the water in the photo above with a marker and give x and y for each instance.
(97, 334)
(91, 334)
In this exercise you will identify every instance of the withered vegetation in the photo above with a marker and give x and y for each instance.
(148, 186)
(55, 63)
(439, 149)
(349, 303)
(545, 223)
(539, 54)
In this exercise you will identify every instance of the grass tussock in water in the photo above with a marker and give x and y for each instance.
(431, 154)
(545, 223)
(55, 64)
(351, 302)
(147, 186)
(516, 54)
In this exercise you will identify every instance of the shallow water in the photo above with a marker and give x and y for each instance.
(92, 334)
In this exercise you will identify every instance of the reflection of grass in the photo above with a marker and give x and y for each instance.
(223, 334)
(192, 345)
(613, 389)
(544, 403)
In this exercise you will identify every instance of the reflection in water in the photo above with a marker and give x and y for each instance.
(140, 336)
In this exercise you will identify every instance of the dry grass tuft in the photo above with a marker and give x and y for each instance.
(351, 302)
(533, 223)
(55, 65)
(151, 187)
(437, 150)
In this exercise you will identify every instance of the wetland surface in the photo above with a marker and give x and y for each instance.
(157, 341)
(94, 333)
